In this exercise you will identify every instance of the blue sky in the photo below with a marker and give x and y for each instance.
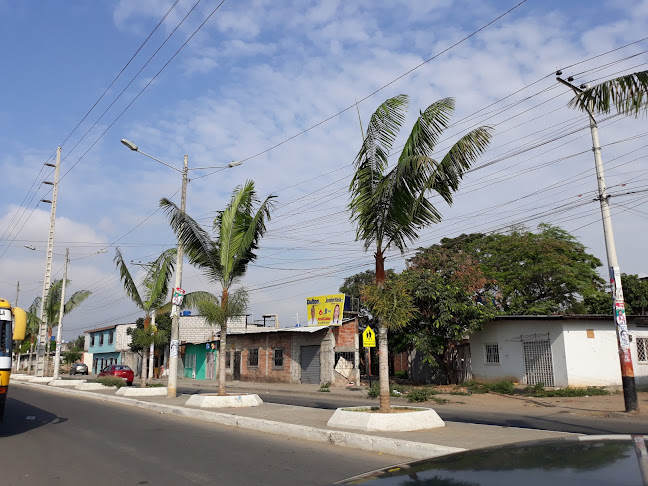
(260, 72)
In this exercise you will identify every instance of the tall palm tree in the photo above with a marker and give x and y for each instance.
(628, 94)
(224, 259)
(155, 289)
(33, 324)
(52, 307)
(390, 205)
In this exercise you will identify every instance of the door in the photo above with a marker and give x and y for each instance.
(210, 366)
(237, 365)
(310, 364)
(538, 363)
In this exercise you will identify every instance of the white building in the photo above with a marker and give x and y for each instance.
(557, 350)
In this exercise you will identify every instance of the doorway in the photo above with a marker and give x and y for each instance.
(237, 365)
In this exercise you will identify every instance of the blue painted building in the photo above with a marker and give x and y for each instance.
(109, 345)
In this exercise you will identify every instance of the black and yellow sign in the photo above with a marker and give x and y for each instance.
(369, 338)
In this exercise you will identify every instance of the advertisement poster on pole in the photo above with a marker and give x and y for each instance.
(325, 310)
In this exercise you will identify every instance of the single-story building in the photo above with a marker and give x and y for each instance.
(318, 354)
(557, 350)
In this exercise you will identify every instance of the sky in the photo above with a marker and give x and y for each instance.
(284, 87)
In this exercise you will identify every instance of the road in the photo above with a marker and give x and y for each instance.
(540, 418)
(52, 439)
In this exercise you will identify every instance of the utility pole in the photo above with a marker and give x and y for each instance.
(623, 342)
(42, 345)
(17, 293)
(172, 384)
(59, 330)
(152, 348)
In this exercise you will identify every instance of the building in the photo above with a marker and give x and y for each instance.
(557, 350)
(318, 354)
(109, 345)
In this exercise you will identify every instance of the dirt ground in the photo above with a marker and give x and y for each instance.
(598, 406)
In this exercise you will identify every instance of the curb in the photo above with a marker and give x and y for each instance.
(385, 445)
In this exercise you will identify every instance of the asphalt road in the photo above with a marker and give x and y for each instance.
(539, 418)
(50, 439)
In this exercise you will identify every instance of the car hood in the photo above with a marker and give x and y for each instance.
(589, 460)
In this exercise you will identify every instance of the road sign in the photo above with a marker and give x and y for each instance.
(369, 338)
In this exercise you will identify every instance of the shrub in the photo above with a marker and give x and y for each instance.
(155, 385)
(111, 381)
(325, 387)
(570, 392)
(504, 387)
(419, 395)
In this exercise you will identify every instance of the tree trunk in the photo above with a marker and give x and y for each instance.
(222, 349)
(144, 368)
(151, 351)
(383, 352)
(31, 357)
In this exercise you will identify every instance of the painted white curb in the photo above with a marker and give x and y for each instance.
(65, 382)
(354, 418)
(130, 391)
(226, 401)
(40, 379)
(386, 445)
(17, 377)
(93, 386)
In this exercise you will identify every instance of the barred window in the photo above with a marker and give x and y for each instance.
(491, 354)
(253, 357)
(227, 360)
(642, 350)
(348, 358)
(279, 358)
(110, 337)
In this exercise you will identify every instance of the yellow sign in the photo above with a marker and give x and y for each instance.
(325, 310)
(369, 338)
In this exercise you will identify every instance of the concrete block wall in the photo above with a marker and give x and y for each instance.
(122, 338)
(266, 343)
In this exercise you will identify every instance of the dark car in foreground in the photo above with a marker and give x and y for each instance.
(585, 460)
(120, 371)
(79, 369)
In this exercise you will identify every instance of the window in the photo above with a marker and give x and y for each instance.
(279, 358)
(491, 354)
(642, 350)
(253, 357)
(110, 336)
(228, 365)
(101, 339)
(92, 340)
(344, 360)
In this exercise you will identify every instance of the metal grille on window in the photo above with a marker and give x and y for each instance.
(538, 362)
(491, 353)
(278, 358)
(253, 357)
(642, 354)
(344, 360)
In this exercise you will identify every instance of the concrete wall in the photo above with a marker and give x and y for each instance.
(122, 338)
(508, 334)
(194, 329)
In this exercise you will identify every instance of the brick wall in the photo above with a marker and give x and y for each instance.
(345, 336)
(266, 343)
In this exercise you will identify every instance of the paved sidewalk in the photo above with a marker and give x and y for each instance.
(310, 423)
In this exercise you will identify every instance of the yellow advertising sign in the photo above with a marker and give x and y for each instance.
(369, 338)
(325, 310)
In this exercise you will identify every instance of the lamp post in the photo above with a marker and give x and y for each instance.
(175, 312)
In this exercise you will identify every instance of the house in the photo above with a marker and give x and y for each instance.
(317, 354)
(557, 350)
(109, 345)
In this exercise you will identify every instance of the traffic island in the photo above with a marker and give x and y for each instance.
(65, 382)
(40, 379)
(93, 387)
(130, 391)
(400, 419)
(224, 401)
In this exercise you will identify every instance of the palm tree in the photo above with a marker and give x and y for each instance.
(224, 259)
(33, 324)
(629, 94)
(51, 309)
(390, 205)
(155, 291)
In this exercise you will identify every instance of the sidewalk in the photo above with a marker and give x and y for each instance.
(310, 423)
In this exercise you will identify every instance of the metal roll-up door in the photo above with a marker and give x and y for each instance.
(310, 364)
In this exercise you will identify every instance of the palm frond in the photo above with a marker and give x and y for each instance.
(75, 300)
(628, 94)
(157, 278)
(190, 301)
(129, 284)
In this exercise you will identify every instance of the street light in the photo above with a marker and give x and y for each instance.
(175, 313)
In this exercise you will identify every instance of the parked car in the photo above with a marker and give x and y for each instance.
(573, 461)
(79, 369)
(120, 371)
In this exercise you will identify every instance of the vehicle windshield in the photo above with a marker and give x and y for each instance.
(5, 338)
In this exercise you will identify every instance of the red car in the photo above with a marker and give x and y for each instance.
(120, 371)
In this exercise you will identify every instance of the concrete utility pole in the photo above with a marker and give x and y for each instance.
(623, 342)
(17, 294)
(42, 345)
(172, 383)
(59, 330)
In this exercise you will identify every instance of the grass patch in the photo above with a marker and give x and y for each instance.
(440, 401)
(325, 387)
(111, 381)
(394, 390)
(540, 391)
(418, 395)
(155, 385)
(503, 387)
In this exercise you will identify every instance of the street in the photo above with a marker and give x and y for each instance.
(54, 439)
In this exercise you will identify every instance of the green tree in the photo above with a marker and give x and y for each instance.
(635, 294)
(353, 286)
(628, 94)
(72, 356)
(224, 259)
(390, 205)
(140, 338)
(453, 299)
(541, 272)
(79, 342)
